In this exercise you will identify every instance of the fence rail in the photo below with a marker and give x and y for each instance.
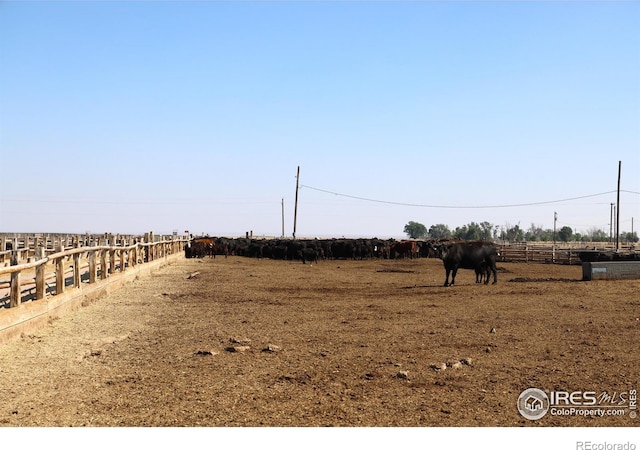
(50, 271)
(549, 253)
(26, 243)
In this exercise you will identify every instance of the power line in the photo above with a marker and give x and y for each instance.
(418, 205)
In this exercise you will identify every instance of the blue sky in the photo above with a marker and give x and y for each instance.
(127, 117)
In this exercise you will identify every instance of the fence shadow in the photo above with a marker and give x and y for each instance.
(50, 290)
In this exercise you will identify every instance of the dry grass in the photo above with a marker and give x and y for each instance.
(339, 343)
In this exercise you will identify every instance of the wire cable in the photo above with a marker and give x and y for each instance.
(418, 205)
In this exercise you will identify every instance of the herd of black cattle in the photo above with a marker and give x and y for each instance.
(307, 249)
(477, 255)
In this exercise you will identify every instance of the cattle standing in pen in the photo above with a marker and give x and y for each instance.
(468, 255)
(483, 272)
(404, 249)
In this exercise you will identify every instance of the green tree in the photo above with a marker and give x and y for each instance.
(470, 232)
(415, 230)
(597, 235)
(565, 234)
(486, 230)
(512, 233)
(439, 231)
(534, 233)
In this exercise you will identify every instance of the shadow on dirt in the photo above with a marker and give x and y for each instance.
(544, 280)
(441, 286)
(29, 294)
(395, 271)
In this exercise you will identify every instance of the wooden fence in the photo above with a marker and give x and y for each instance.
(26, 243)
(32, 270)
(554, 254)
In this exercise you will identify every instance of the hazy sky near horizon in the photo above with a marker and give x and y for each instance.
(128, 117)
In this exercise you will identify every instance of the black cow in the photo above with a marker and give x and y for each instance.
(197, 249)
(483, 272)
(468, 255)
(309, 254)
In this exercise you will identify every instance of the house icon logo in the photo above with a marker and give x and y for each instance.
(533, 404)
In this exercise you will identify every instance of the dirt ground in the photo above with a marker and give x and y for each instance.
(249, 342)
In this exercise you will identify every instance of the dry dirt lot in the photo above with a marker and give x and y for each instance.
(340, 343)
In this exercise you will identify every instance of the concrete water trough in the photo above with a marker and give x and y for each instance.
(609, 265)
(611, 270)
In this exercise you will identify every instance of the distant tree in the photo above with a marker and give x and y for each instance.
(565, 234)
(629, 237)
(486, 229)
(470, 232)
(439, 231)
(460, 232)
(415, 230)
(534, 233)
(597, 235)
(512, 233)
(537, 233)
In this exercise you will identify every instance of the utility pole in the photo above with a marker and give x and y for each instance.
(611, 224)
(553, 250)
(295, 210)
(615, 224)
(618, 208)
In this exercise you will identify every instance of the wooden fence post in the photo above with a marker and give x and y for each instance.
(112, 261)
(122, 262)
(40, 270)
(60, 271)
(92, 266)
(26, 249)
(14, 297)
(145, 250)
(103, 264)
(76, 270)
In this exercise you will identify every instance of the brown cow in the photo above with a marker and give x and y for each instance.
(404, 249)
(208, 246)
